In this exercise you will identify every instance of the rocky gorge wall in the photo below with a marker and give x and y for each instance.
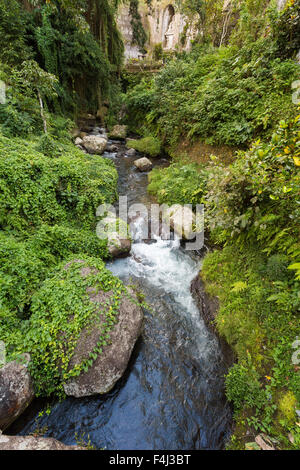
(163, 23)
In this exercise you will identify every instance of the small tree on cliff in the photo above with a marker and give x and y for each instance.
(36, 82)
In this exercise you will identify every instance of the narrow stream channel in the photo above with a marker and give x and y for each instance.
(172, 396)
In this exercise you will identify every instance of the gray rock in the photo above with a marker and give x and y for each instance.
(33, 443)
(111, 364)
(116, 232)
(16, 391)
(112, 148)
(131, 152)
(143, 164)
(78, 141)
(182, 220)
(94, 144)
(118, 132)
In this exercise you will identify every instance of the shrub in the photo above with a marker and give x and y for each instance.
(223, 95)
(178, 184)
(37, 189)
(243, 388)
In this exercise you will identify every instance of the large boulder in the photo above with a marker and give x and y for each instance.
(16, 391)
(143, 164)
(182, 220)
(94, 144)
(111, 364)
(116, 232)
(118, 133)
(33, 443)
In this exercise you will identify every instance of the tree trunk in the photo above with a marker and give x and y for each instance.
(42, 113)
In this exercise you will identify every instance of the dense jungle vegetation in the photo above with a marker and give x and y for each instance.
(67, 56)
(63, 59)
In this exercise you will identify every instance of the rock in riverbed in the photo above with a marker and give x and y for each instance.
(131, 152)
(16, 391)
(94, 144)
(33, 443)
(117, 233)
(111, 364)
(143, 164)
(118, 132)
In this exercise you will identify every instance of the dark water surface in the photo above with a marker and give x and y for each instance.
(172, 396)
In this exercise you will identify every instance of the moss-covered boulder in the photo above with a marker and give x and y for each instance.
(82, 331)
(118, 132)
(148, 145)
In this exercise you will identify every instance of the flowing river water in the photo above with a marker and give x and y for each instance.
(172, 395)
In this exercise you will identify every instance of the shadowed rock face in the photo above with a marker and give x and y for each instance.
(163, 23)
(16, 392)
(33, 443)
(209, 307)
(109, 367)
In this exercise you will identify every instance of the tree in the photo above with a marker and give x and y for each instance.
(35, 81)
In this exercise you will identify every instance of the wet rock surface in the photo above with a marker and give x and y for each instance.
(16, 391)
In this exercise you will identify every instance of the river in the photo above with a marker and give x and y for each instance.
(172, 395)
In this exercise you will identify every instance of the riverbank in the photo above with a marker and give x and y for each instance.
(251, 216)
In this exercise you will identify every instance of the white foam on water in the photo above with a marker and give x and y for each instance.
(163, 264)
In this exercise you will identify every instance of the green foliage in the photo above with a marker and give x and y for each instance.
(48, 146)
(22, 270)
(286, 29)
(13, 32)
(80, 45)
(252, 207)
(148, 145)
(255, 198)
(139, 35)
(261, 333)
(158, 51)
(38, 189)
(178, 184)
(222, 96)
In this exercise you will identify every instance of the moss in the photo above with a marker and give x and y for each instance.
(287, 406)
(148, 145)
